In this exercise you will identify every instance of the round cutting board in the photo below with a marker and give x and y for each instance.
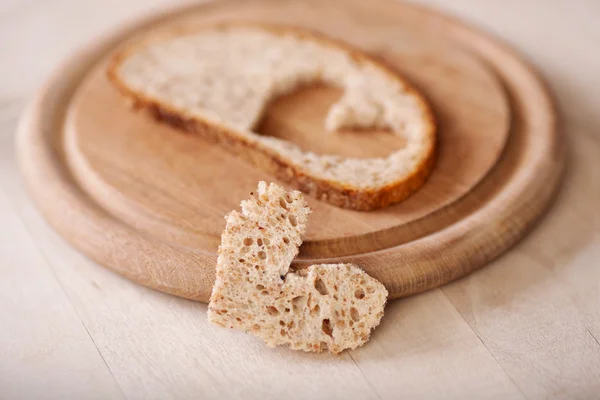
(148, 201)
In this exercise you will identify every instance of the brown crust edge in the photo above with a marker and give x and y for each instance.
(335, 193)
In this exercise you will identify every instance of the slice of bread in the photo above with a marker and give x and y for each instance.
(217, 81)
(322, 307)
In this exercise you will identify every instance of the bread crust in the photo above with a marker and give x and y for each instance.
(334, 192)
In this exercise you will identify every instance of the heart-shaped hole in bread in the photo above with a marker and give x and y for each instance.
(299, 117)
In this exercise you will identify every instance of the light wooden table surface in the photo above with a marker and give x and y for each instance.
(527, 326)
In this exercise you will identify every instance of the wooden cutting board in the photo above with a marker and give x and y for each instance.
(148, 202)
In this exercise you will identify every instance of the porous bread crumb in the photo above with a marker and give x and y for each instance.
(226, 75)
(327, 307)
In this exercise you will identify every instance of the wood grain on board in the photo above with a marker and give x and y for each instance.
(147, 201)
(526, 326)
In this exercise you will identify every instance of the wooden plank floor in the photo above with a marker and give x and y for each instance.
(525, 327)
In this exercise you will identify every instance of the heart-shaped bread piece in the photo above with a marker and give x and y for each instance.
(322, 307)
(216, 81)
